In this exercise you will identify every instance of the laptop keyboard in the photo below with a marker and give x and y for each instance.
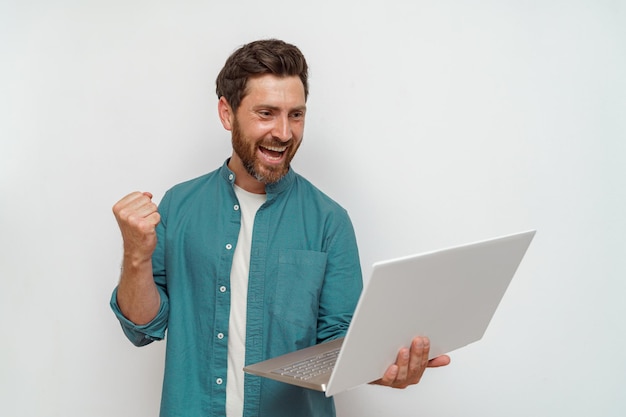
(310, 367)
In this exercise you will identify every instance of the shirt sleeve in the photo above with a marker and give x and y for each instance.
(342, 282)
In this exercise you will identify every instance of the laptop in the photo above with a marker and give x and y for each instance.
(448, 295)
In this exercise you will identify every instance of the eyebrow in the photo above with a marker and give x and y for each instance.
(270, 107)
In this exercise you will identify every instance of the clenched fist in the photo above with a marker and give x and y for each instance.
(137, 217)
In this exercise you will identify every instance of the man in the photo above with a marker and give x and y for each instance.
(247, 262)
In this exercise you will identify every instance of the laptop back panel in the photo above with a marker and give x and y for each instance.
(448, 295)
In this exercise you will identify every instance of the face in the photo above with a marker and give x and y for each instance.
(266, 130)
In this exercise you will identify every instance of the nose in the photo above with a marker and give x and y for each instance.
(282, 129)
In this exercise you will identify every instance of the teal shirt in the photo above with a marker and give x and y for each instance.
(304, 283)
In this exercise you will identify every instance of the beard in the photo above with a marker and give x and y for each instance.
(246, 149)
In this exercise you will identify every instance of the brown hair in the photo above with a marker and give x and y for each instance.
(271, 56)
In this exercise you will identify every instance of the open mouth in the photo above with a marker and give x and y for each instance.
(273, 153)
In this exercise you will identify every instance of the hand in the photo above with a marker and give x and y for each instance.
(411, 364)
(137, 217)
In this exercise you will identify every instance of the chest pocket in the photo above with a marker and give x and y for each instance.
(299, 281)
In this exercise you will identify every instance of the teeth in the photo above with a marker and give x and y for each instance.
(275, 148)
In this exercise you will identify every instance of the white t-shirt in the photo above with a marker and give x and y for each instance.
(249, 203)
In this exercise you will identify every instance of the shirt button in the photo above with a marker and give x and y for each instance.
(236, 207)
(229, 246)
(230, 177)
(219, 381)
(222, 289)
(220, 336)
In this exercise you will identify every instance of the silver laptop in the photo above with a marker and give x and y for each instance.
(448, 295)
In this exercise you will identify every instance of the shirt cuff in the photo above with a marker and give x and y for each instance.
(141, 335)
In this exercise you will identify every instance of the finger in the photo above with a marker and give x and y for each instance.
(153, 219)
(442, 360)
(138, 200)
(388, 377)
(420, 346)
(124, 203)
(144, 208)
(402, 362)
(129, 198)
(143, 222)
(134, 198)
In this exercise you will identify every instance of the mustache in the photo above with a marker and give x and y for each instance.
(275, 143)
(278, 143)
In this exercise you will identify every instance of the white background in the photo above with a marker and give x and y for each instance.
(434, 123)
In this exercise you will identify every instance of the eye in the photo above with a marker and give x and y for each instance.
(297, 115)
(265, 113)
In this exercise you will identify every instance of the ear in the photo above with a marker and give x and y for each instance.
(226, 113)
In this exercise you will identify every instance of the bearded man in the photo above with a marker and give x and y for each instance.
(248, 262)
